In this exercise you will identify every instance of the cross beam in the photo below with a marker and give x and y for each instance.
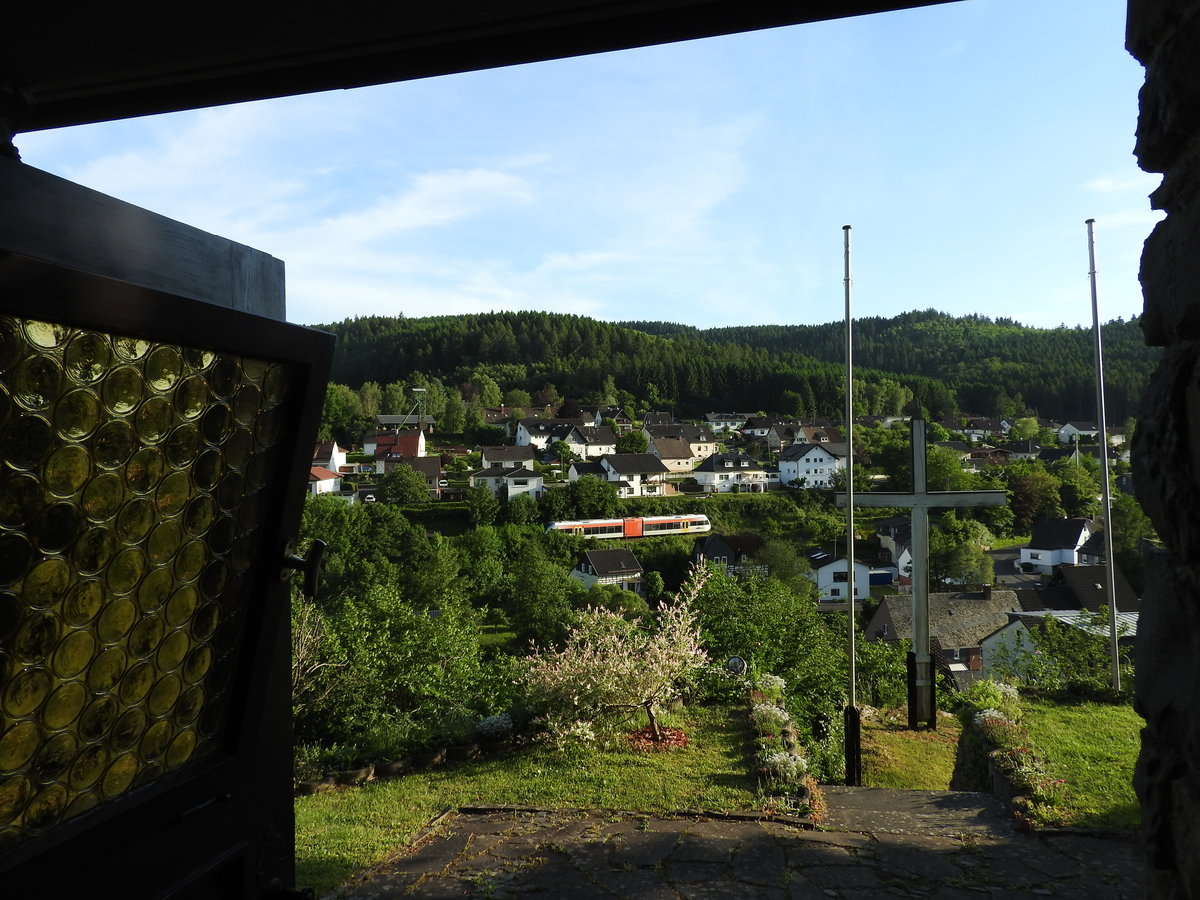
(920, 500)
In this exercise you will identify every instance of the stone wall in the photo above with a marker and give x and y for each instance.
(1165, 36)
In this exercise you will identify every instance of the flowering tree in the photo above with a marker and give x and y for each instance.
(610, 668)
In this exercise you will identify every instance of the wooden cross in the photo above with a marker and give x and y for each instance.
(920, 501)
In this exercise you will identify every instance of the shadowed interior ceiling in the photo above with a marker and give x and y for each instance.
(102, 62)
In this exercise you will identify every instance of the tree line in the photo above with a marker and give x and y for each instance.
(925, 362)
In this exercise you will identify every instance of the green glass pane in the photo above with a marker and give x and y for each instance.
(123, 389)
(36, 637)
(87, 357)
(67, 469)
(164, 367)
(113, 443)
(103, 496)
(26, 691)
(131, 478)
(77, 415)
(64, 705)
(20, 499)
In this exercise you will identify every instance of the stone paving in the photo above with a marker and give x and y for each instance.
(874, 843)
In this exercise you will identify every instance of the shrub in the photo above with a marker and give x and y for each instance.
(783, 767)
(611, 668)
(767, 718)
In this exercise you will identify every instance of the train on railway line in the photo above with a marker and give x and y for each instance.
(633, 526)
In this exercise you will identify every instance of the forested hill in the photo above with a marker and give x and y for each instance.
(944, 363)
(981, 358)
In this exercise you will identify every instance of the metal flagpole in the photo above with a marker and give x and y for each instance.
(1110, 564)
(852, 721)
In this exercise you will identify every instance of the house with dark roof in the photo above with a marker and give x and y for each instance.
(958, 624)
(636, 474)
(811, 465)
(507, 483)
(1055, 542)
(894, 534)
(394, 423)
(699, 437)
(328, 455)
(726, 421)
(676, 453)
(733, 471)
(506, 457)
(430, 470)
(757, 426)
(620, 419)
(1082, 587)
(979, 428)
(653, 418)
(735, 552)
(785, 434)
(1014, 636)
(832, 576)
(541, 432)
(582, 467)
(1078, 432)
(619, 567)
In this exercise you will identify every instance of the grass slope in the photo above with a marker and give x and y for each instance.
(340, 832)
(896, 757)
(1093, 748)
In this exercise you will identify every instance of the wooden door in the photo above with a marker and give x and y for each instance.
(154, 453)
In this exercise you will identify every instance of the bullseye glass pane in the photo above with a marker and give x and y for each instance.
(131, 496)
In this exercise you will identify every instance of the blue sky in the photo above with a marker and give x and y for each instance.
(705, 182)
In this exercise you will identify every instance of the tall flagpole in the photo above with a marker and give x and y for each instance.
(1110, 564)
(853, 723)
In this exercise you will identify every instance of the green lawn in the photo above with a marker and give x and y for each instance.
(340, 832)
(895, 757)
(1092, 747)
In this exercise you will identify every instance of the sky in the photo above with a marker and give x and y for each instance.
(704, 182)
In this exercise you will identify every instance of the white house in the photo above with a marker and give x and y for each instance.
(541, 433)
(734, 471)
(676, 453)
(699, 437)
(508, 483)
(323, 481)
(722, 421)
(328, 455)
(506, 457)
(1014, 636)
(636, 474)
(832, 577)
(1055, 542)
(809, 465)
(1076, 432)
(619, 567)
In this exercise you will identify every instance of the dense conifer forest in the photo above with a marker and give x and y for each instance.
(945, 364)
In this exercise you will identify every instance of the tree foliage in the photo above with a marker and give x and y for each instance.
(610, 668)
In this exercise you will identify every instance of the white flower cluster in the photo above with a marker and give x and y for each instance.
(1008, 692)
(768, 683)
(767, 717)
(494, 727)
(784, 766)
(985, 714)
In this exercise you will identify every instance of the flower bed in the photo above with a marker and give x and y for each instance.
(996, 754)
(783, 779)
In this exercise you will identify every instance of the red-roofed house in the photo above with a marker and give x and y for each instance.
(323, 481)
(328, 455)
(390, 449)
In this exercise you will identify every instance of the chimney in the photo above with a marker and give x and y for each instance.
(987, 592)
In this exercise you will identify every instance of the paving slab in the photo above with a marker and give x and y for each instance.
(873, 844)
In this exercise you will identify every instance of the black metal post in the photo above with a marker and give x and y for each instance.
(853, 723)
(911, 665)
